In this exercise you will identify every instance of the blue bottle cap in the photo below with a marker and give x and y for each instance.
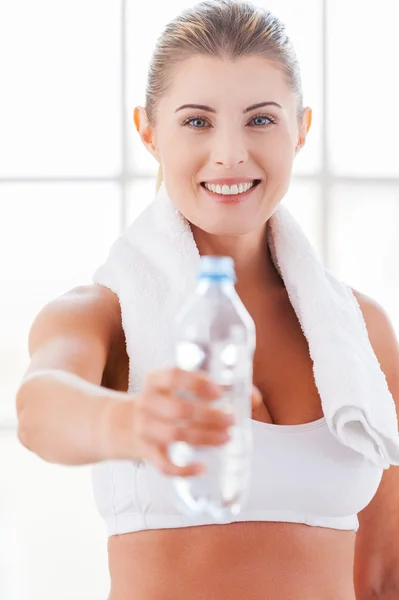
(217, 267)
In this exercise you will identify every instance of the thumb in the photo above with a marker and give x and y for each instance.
(256, 397)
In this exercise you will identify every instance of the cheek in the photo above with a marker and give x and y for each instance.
(278, 156)
(178, 154)
(181, 167)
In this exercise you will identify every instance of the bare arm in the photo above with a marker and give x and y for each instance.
(62, 407)
(67, 416)
(376, 569)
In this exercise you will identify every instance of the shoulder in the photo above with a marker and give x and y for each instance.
(382, 337)
(375, 316)
(75, 331)
(85, 303)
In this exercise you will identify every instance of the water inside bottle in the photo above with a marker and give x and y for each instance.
(221, 490)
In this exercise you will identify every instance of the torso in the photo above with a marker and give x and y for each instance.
(251, 560)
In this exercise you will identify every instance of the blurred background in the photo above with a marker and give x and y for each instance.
(74, 174)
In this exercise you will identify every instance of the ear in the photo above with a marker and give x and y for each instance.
(145, 131)
(304, 128)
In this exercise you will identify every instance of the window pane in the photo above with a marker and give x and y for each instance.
(145, 25)
(60, 100)
(140, 194)
(52, 237)
(365, 242)
(303, 201)
(363, 90)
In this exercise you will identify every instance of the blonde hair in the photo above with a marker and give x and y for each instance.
(226, 29)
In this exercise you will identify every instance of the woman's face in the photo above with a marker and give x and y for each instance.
(223, 138)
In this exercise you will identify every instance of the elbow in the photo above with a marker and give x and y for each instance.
(30, 435)
(23, 437)
(386, 589)
(23, 434)
(377, 577)
(392, 594)
(24, 420)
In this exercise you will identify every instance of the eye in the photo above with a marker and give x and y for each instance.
(196, 122)
(259, 120)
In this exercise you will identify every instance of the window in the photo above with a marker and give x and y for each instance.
(73, 174)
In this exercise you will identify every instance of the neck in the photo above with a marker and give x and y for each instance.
(253, 263)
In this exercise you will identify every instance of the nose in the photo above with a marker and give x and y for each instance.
(229, 149)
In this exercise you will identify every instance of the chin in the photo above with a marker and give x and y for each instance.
(224, 228)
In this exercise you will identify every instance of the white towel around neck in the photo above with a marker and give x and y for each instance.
(153, 267)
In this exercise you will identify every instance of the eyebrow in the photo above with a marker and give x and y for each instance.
(212, 110)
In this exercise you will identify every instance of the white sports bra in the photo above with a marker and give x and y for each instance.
(300, 474)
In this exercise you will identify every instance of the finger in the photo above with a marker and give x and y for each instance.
(160, 432)
(157, 455)
(257, 398)
(198, 384)
(173, 408)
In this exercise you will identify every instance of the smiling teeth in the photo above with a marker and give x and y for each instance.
(229, 190)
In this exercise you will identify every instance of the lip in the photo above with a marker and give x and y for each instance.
(231, 180)
(230, 199)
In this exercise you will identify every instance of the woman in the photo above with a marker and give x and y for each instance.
(224, 107)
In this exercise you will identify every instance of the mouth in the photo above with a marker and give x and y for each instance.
(229, 194)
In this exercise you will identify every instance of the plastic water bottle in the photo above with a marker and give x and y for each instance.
(215, 333)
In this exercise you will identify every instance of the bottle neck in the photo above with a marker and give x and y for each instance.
(224, 284)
